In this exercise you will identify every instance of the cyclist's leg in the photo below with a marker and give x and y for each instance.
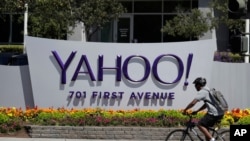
(178, 135)
(204, 130)
(208, 121)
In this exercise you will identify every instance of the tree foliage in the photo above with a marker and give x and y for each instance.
(47, 18)
(221, 8)
(96, 13)
(189, 25)
(195, 23)
(12, 6)
(52, 18)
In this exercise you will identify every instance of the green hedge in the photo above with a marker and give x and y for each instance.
(11, 48)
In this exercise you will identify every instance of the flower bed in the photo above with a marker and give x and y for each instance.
(14, 119)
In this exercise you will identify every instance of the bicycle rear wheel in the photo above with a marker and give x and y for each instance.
(225, 135)
(179, 135)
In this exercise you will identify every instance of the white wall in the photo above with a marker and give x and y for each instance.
(233, 79)
(39, 83)
(15, 88)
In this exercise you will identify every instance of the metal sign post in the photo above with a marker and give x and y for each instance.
(25, 32)
(247, 35)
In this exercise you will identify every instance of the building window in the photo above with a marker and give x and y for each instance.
(149, 16)
(148, 6)
(147, 28)
(128, 5)
(171, 6)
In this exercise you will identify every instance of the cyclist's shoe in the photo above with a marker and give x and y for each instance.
(212, 139)
(217, 126)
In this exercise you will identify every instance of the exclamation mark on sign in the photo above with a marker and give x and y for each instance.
(189, 63)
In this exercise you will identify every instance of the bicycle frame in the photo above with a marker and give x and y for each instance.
(190, 126)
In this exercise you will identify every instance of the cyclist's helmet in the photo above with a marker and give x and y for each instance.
(201, 81)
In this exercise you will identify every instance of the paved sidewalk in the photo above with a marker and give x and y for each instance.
(49, 139)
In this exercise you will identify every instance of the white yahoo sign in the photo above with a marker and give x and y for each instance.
(112, 75)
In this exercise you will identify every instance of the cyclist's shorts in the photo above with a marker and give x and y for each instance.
(209, 120)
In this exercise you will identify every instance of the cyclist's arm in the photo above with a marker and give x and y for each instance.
(190, 105)
(201, 108)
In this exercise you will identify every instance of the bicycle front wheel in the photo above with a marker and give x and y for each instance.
(179, 135)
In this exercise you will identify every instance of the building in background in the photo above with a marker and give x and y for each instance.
(144, 19)
(141, 23)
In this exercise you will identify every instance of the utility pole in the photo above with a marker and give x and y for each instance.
(25, 32)
(247, 35)
(239, 9)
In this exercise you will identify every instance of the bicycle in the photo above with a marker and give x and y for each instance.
(185, 134)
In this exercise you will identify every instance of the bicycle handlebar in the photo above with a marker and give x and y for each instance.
(190, 114)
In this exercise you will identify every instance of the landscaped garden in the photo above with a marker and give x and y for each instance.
(13, 119)
(220, 56)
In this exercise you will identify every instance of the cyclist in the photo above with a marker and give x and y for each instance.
(212, 116)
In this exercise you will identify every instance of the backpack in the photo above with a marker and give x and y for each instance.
(218, 100)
